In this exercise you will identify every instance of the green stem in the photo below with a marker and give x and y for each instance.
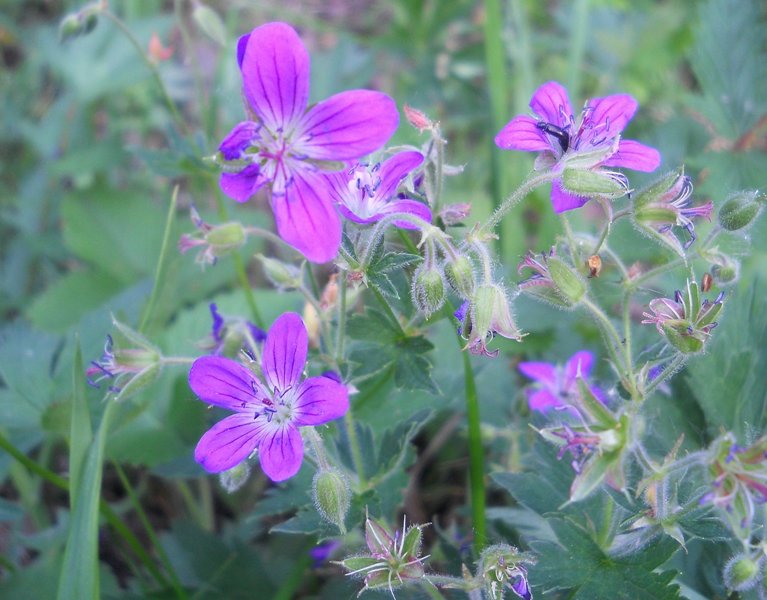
(109, 515)
(608, 330)
(354, 444)
(634, 283)
(570, 240)
(627, 347)
(532, 182)
(191, 55)
(578, 26)
(161, 262)
(149, 64)
(167, 565)
(670, 369)
(341, 330)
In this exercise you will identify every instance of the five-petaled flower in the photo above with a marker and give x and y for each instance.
(267, 415)
(285, 145)
(557, 386)
(366, 194)
(594, 141)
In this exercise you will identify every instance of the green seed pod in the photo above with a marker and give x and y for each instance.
(679, 336)
(332, 497)
(741, 573)
(567, 282)
(428, 290)
(594, 183)
(460, 275)
(740, 210)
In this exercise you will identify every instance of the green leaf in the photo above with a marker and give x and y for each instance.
(79, 571)
(577, 564)
(80, 432)
(733, 367)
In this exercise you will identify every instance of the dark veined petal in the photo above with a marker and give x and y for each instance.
(551, 102)
(319, 400)
(562, 200)
(634, 155)
(395, 169)
(238, 139)
(306, 218)
(275, 74)
(243, 185)
(281, 452)
(229, 442)
(412, 207)
(609, 115)
(346, 126)
(284, 355)
(543, 372)
(224, 382)
(522, 133)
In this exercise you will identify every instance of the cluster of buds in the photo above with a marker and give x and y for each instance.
(213, 241)
(666, 204)
(597, 443)
(501, 567)
(738, 479)
(552, 280)
(129, 365)
(391, 560)
(685, 321)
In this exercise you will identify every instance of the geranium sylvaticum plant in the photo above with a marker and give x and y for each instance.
(384, 370)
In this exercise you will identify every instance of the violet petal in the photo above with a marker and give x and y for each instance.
(275, 73)
(411, 207)
(551, 102)
(610, 115)
(241, 186)
(562, 200)
(281, 452)
(224, 382)
(395, 169)
(284, 355)
(229, 442)
(522, 133)
(583, 360)
(543, 372)
(542, 400)
(319, 400)
(347, 125)
(634, 155)
(306, 218)
(238, 139)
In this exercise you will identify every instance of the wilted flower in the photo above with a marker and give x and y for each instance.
(738, 478)
(487, 315)
(267, 415)
(213, 241)
(685, 322)
(557, 387)
(593, 142)
(552, 280)
(665, 204)
(392, 560)
(129, 365)
(501, 567)
(366, 194)
(229, 334)
(285, 144)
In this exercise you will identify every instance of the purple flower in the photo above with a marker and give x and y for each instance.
(367, 194)
(284, 142)
(267, 415)
(594, 141)
(557, 387)
(231, 333)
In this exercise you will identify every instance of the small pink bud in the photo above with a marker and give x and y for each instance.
(417, 119)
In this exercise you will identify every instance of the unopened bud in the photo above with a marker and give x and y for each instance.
(595, 183)
(234, 478)
(428, 290)
(567, 282)
(281, 275)
(460, 275)
(226, 237)
(741, 573)
(740, 210)
(453, 214)
(417, 119)
(725, 274)
(332, 496)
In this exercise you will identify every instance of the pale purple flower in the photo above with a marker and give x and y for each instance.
(366, 194)
(267, 415)
(557, 386)
(555, 134)
(285, 141)
(225, 328)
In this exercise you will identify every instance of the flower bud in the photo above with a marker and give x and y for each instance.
(428, 289)
(282, 276)
(417, 119)
(566, 281)
(740, 210)
(460, 275)
(234, 478)
(741, 573)
(452, 214)
(595, 183)
(208, 20)
(725, 274)
(332, 497)
(500, 567)
(489, 314)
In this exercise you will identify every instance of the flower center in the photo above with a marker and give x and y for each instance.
(362, 186)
